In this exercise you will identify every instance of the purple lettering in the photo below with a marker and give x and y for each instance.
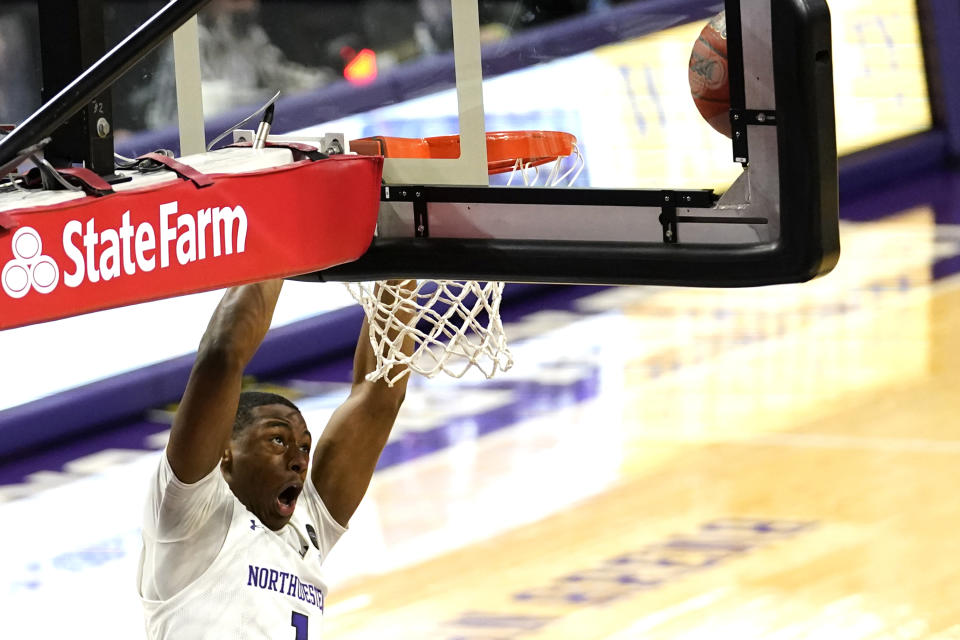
(573, 594)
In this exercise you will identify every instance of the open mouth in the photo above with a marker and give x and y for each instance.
(287, 499)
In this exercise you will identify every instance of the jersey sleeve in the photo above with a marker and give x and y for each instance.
(327, 529)
(176, 510)
(184, 527)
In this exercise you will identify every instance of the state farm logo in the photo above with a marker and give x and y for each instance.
(102, 254)
(29, 267)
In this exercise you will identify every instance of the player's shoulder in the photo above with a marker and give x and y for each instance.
(313, 519)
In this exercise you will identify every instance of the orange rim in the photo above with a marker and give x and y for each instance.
(504, 148)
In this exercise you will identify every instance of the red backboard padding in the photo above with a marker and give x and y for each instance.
(160, 242)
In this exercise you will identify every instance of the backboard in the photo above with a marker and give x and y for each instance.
(663, 198)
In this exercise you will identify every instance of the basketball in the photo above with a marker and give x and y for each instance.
(709, 82)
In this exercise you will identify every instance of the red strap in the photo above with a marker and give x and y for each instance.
(91, 182)
(182, 170)
(7, 223)
(298, 146)
(300, 150)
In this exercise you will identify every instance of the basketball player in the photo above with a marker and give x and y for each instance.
(235, 528)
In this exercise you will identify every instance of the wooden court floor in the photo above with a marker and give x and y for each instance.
(767, 463)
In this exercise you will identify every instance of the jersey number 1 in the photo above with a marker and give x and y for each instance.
(299, 622)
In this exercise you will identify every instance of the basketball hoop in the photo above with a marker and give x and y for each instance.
(456, 324)
(514, 151)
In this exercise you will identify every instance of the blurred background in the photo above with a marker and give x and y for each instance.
(613, 432)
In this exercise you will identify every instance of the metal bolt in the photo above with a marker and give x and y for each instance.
(103, 128)
(736, 134)
(669, 234)
(421, 228)
(736, 116)
(761, 117)
(418, 194)
(666, 198)
(687, 198)
(403, 194)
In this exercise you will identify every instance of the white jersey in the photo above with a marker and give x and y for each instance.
(210, 569)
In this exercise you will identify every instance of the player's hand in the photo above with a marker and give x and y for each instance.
(399, 297)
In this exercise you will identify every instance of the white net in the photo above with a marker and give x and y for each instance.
(452, 326)
(559, 173)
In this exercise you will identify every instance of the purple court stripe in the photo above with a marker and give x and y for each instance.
(940, 189)
(132, 435)
(944, 24)
(866, 171)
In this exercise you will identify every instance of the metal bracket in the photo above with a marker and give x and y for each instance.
(753, 116)
(421, 221)
(72, 40)
(668, 217)
(739, 119)
(418, 196)
(667, 201)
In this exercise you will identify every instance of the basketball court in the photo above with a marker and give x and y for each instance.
(660, 461)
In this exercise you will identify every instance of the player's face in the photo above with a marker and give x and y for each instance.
(266, 464)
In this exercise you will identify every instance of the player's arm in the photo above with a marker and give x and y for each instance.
(204, 421)
(347, 451)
